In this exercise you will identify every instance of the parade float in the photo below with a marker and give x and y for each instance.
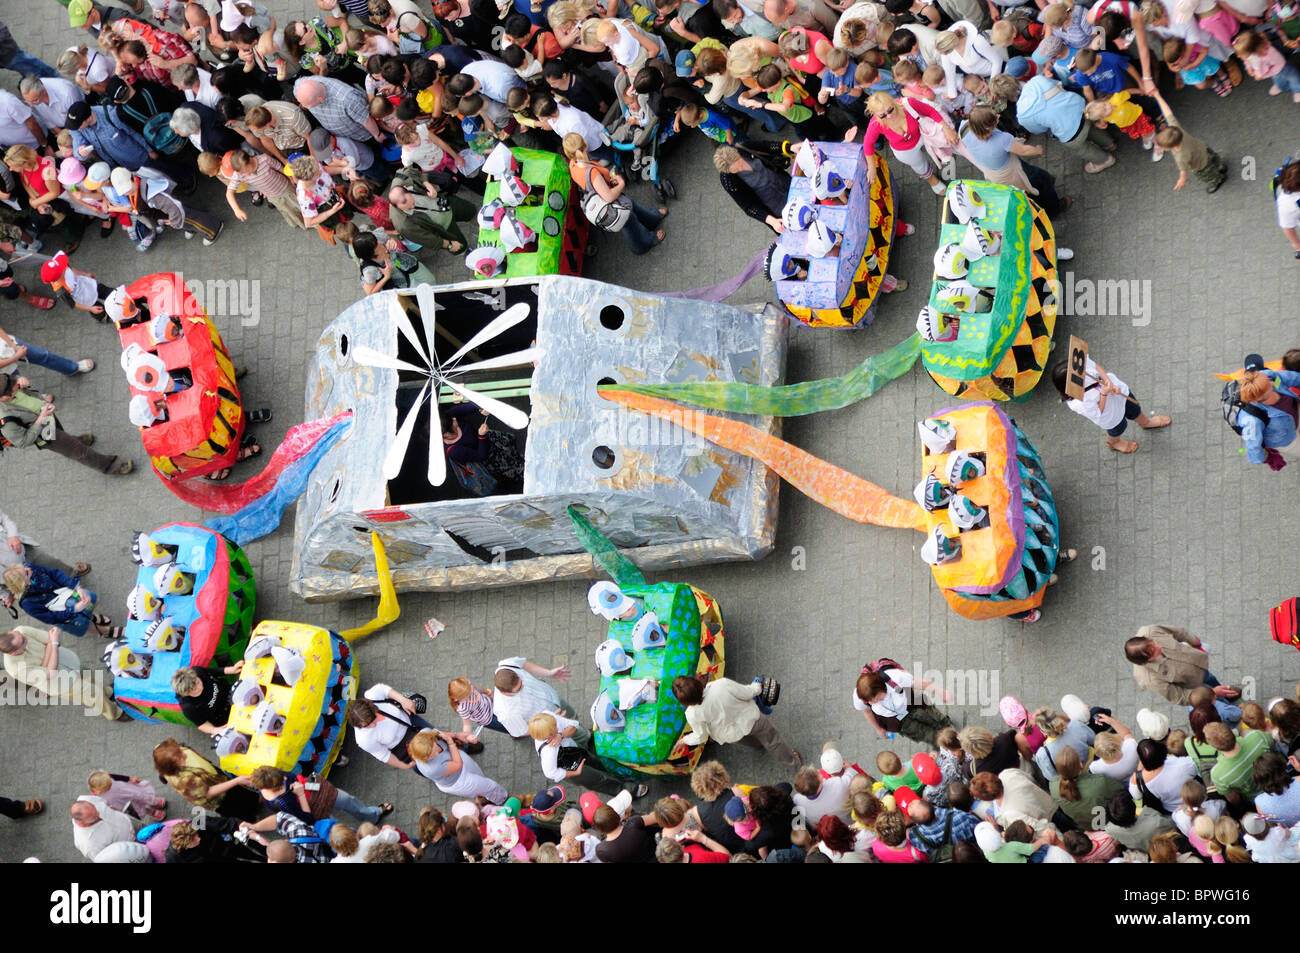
(169, 341)
(983, 502)
(829, 263)
(656, 633)
(530, 223)
(988, 325)
(289, 707)
(187, 406)
(192, 606)
(531, 352)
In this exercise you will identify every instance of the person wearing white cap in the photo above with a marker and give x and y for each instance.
(520, 693)
(818, 793)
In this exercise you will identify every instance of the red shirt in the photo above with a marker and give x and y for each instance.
(702, 855)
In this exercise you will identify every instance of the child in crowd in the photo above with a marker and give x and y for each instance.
(366, 44)
(713, 124)
(739, 817)
(1069, 21)
(956, 107)
(1263, 61)
(837, 80)
(908, 76)
(1138, 116)
(869, 78)
(1102, 74)
(1195, 66)
(1283, 23)
(133, 796)
(1191, 155)
(894, 774)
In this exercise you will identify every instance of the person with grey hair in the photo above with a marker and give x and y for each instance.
(202, 126)
(196, 84)
(204, 695)
(49, 99)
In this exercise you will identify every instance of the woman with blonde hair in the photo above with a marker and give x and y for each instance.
(747, 56)
(590, 176)
(89, 69)
(900, 122)
(1227, 837)
(40, 179)
(1268, 416)
(1061, 732)
(964, 49)
(439, 758)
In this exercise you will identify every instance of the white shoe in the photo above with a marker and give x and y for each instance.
(189, 235)
(1064, 254)
(209, 241)
(1157, 154)
(85, 366)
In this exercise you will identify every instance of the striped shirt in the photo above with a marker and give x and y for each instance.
(475, 707)
(291, 127)
(265, 177)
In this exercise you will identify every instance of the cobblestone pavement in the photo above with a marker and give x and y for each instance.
(1166, 535)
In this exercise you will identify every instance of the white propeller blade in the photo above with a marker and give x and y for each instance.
(510, 416)
(437, 471)
(397, 451)
(372, 358)
(527, 356)
(403, 322)
(502, 322)
(424, 296)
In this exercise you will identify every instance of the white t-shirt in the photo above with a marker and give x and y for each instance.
(832, 799)
(207, 94)
(894, 704)
(535, 696)
(364, 845)
(571, 119)
(1168, 784)
(1122, 769)
(1089, 407)
(385, 733)
(62, 94)
(550, 756)
(84, 289)
(1213, 807)
(14, 114)
(1288, 209)
(99, 66)
(426, 154)
(627, 49)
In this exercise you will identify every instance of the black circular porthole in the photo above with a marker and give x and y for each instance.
(612, 317)
(606, 382)
(555, 200)
(551, 225)
(603, 457)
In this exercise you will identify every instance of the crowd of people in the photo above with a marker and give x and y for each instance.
(367, 121)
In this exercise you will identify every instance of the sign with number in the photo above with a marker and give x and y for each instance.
(1078, 362)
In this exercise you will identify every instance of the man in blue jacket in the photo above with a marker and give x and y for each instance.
(1044, 105)
(1267, 421)
(97, 129)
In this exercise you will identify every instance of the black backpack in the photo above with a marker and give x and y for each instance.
(1230, 403)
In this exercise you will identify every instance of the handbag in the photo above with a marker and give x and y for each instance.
(933, 136)
(504, 461)
(605, 215)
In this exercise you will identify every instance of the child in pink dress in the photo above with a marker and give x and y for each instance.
(130, 795)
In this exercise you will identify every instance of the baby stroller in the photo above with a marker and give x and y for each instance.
(637, 147)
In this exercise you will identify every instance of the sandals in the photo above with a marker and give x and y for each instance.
(385, 809)
(1222, 87)
(33, 805)
(259, 199)
(1095, 167)
(260, 416)
(218, 475)
(40, 302)
(106, 228)
(453, 247)
(82, 569)
(100, 620)
(249, 447)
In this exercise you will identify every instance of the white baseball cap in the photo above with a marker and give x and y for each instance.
(832, 761)
(821, 239)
